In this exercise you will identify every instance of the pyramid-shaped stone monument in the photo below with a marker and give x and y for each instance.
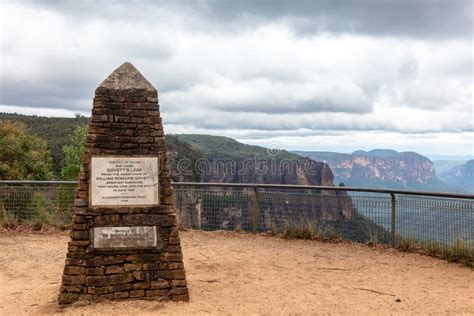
(124, 240)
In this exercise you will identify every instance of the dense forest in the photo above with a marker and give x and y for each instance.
(226, 147)
(56, 131)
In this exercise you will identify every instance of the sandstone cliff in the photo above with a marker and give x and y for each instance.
(382, 168)
(224, 160)
(461, 177)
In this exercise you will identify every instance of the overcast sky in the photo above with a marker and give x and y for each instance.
(309, 75)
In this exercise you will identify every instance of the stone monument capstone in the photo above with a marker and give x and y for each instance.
(124, 239)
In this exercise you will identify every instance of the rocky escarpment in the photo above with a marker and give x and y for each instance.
(194, 163)
(224, 160)
(461, 177)
(382, 168)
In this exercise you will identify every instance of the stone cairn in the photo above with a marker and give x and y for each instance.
(125, 122)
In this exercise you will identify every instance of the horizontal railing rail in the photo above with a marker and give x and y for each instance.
(278, 186)
(329, 188)
(37, 182)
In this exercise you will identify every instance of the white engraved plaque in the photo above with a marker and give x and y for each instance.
(117, 181)
(124, 237)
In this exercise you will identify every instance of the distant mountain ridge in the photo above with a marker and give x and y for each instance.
(461, 176)
(382, 168)
(376, 153)
(442, 166)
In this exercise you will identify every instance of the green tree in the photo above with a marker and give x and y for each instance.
(73, 154)
(22, 156)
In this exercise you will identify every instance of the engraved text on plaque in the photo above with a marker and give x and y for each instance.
(117, 181)
(125, 237)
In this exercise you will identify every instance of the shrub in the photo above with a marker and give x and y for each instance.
(40, 210)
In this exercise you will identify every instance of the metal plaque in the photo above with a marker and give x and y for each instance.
(124, 237)
(118, 181)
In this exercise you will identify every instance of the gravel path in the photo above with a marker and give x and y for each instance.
(230, 273)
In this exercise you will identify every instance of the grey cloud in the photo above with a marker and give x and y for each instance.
(409, 67)
(65, 94)
(411, 18)
(313, 105)
(288, 124)
(409, 82)
(406, 18)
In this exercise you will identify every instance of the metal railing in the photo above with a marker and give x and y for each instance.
(360, 214)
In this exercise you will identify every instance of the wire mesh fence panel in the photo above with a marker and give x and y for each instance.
(214, 208)
(40, 203)
(433, 221)
(371, 221)
(356, 216)
(294, 212)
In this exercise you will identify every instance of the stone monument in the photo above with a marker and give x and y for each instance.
(124, 239)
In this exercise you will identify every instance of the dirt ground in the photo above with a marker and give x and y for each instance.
(230, 273)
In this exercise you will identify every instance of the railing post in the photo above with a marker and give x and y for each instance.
(255, 209)
(393, 218)
(199, 213)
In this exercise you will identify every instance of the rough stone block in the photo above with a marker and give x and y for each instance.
(121, 295)
(175, 265)
(67, 298)
(160, 284)
(139, 275)
(176, 283)
(74, 270)
(109, 289)
(74, 279)
(109, 279)
(167, 256)
(112, 260)
(95, 271)
(78, 226)
(100, 118)
(106, 297)
(179, 290)
(141, 285)
(132, 266)
(70, 288)
(181, 298)
(174, 241)
(137, 293)
(172, 248)
(150, 266)
(78, 255)
(114, 270)
(143, 257)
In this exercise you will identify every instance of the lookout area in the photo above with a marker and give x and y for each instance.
(236, 273)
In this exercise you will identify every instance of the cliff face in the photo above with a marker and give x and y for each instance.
(298, 171)
(382, 168)
(461, 177)
(225, 160)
